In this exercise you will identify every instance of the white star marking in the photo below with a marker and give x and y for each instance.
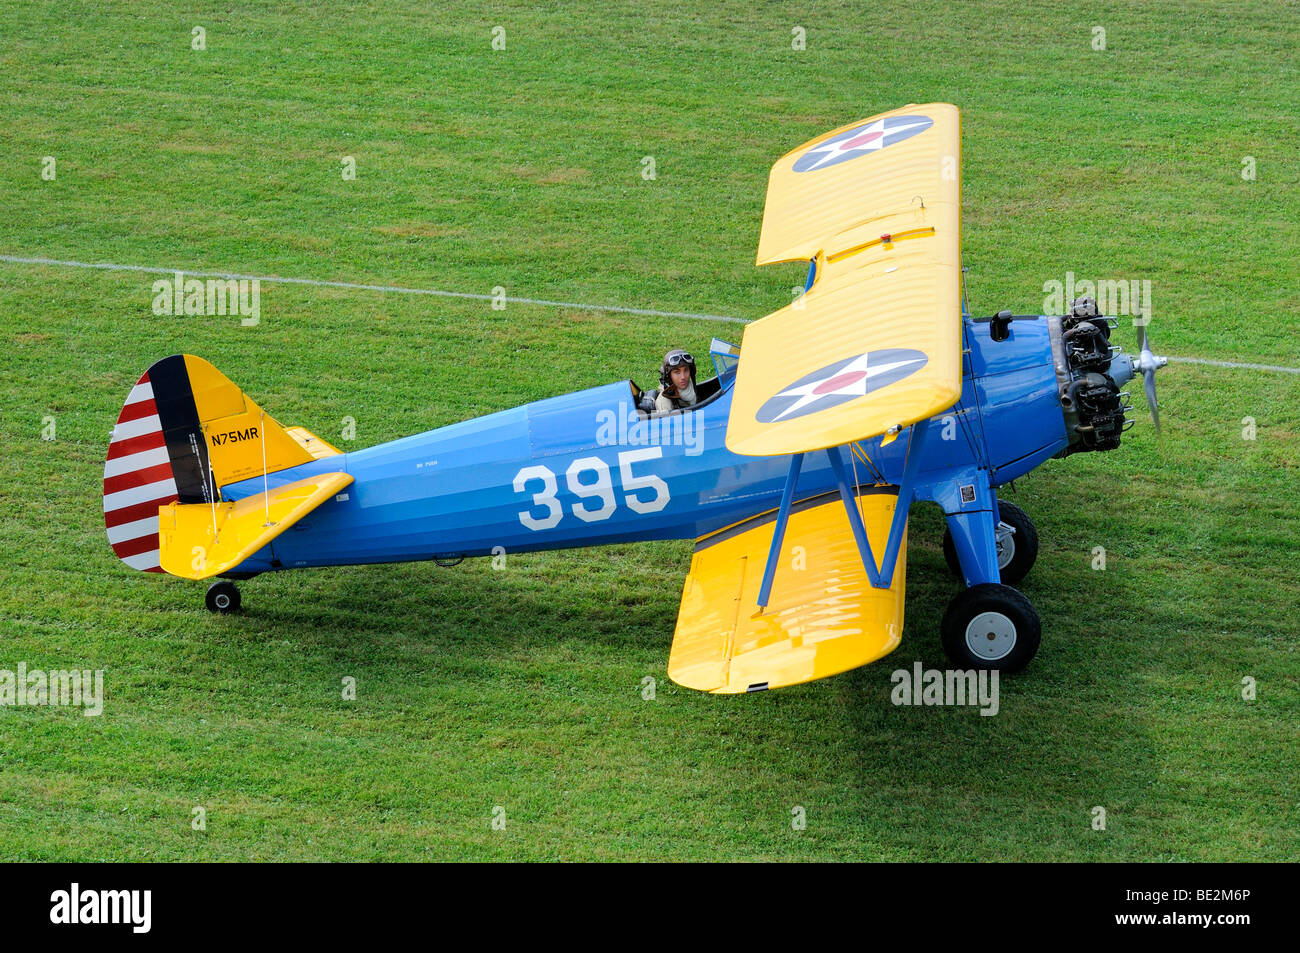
(857, 388)
(840, 149)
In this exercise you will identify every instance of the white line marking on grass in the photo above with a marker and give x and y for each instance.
(436, 292)
(393, 289)
(1248, 367)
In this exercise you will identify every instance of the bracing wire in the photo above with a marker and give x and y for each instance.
(862, 455)
(266, 493)
(212, 480)
(857, 497)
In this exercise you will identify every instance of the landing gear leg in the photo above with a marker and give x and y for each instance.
(222, 597)
(1017, 541)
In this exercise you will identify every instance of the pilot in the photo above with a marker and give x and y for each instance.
(677, 377)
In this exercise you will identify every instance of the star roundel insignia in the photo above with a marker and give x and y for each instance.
(861, 141)
(841, 382)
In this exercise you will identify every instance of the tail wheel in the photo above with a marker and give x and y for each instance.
(222, 597)
(1017, 544)
(991, 626)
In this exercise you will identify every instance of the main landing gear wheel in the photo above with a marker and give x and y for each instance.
(991, 626)
(222, 597)
(1017, 544)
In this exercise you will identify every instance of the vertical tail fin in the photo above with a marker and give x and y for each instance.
(184, 433)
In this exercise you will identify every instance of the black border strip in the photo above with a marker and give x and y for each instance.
(181, 428)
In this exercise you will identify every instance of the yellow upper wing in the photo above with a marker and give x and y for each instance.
(876, 342)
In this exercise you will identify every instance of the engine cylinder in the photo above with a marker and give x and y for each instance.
(1089, 374)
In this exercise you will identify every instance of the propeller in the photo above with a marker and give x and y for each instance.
(1147, 364)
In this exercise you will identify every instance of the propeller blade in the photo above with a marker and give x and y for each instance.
(1150, 387)
(1147, 363)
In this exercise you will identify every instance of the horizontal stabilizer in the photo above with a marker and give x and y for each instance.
(313, 444)
(824, 616)
(197, 540)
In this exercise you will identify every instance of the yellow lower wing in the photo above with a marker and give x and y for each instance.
(197, 541)
(824, 616)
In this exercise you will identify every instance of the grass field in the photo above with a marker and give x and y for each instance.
(522, 168)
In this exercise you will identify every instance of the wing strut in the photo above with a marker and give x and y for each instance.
(883, 576)
(778, 532)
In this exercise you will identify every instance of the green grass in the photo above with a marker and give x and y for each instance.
(521, 688)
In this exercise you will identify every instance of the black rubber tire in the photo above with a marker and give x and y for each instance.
(1025, 628)
(222, 597)
(1024, 543)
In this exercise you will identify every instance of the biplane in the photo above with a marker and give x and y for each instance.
(873, 390)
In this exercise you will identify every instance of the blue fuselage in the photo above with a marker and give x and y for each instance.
(582, 469)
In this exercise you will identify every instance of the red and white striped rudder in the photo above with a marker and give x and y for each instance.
(138, 479)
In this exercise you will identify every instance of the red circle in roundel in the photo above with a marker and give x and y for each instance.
(841, 380)
(862, 140)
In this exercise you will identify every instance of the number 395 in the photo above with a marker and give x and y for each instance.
(589, 479)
